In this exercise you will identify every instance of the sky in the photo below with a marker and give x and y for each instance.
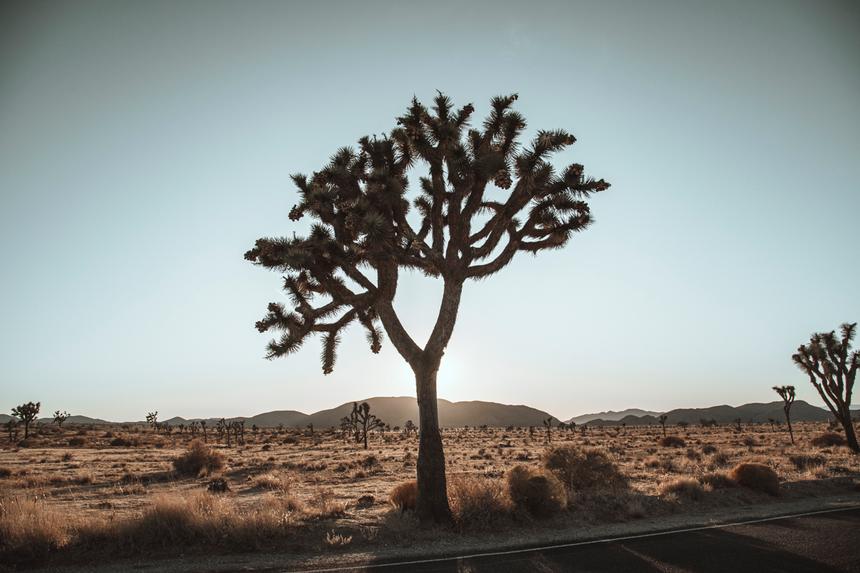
(145, 146)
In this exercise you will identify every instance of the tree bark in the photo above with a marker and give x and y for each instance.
(432, 505)
(848, 425)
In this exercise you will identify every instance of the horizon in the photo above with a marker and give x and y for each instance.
(564, 418)
(145, 147)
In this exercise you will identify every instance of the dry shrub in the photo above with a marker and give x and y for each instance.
(757, 477)
(77, 441)
(828, 439)
(718, 480)
(198, 461)
(5, 472)
(672, 442)
(536, 491)
(708, 449)
(683, 487)
(28, 528)
(404, 496)
(583, 469)
(121, 442)
(477, 502)
(270, 481)
(806, 461)
(325, 504)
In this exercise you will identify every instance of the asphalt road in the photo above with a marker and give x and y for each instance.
(821, 543)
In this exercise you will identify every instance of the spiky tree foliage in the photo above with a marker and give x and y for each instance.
(26, 413)
(662, 419)
(484, 199)
(60, 417)
(832, 366)
(152, 419)
(787, 395)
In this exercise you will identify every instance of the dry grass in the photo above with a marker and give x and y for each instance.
(199, 460)
(478, 502)
(537, 492)
(757, 477)
(583, 468)
(105, 499)
(404, 496)
(683, 487)
(672, 442)
(827, 440)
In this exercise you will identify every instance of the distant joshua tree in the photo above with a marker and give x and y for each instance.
(60, 417)
(832, 369)
(662, 419)
(409, 428)
(787, 395)
(738, 427)
(152, 420)
(27, 413)
(548, 425)
(12, 429)
(486, 199)
(364, 421)
(203, 429)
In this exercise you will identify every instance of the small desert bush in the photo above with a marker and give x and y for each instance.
(538, 492)
(708, 449)
(757, 477)
(404, 496)
(198, 461)
(120, 442)
(583, 469)
(683, 487)
(477, 502)
(718, 480)
(672, 442)
(270, 481)
(28, 528)
(324, 504)
(5, 472)
(76, 441)
(806, 461)
(828, 439)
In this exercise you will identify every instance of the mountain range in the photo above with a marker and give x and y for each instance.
(395, 411)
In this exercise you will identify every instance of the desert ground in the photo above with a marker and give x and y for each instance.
(76, 494)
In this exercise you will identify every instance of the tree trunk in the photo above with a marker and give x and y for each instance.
(850, 434)
(788, 421)
(432, 487)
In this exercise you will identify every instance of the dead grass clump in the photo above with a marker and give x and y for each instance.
(270, 481)
(538, 492)
(757, 477)
(324, 504)
(29, 529)
(198, 461)
(807, 461)
(682, 487)
(672, 442)
(828, 439)
(404, 496)
(477, 502)
(583, 469)
(718, 480)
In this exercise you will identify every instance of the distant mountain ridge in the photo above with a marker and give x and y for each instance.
(395, 411)
(756, 412)
(612, 415)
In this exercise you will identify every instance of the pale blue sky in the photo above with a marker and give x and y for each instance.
(145, 146)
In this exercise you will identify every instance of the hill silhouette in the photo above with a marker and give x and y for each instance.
(754, 412)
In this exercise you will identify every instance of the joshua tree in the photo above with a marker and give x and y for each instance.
(26, 413)
(738, 427)
(12, 429)
(364, 421)
(409, 428)
(486, 199)
(152, 420)
(60, 417)
(787, 395)
(832, 369)
(662, 419)
(548, 425)
(203, 429)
